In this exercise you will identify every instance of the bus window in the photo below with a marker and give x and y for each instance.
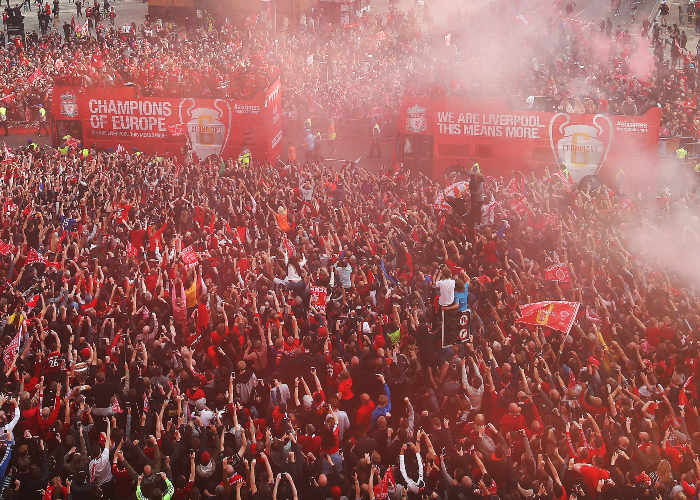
(417, 153)
(417, 147)
(454, 150)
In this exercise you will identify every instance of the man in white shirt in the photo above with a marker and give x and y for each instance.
(100, 468)
(343, 419)
(446, 286)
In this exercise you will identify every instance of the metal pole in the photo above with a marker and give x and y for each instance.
(274, 23)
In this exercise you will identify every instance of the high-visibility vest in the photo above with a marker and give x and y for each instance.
(33, 146)
(697, 167)
(42, 112)
(681, 153)
(244, 158)
(86, 152)
(63, 150)
(331, 132)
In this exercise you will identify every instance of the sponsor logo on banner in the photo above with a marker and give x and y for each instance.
(69, 104)
(416, 121)
(207, 128)
(631, 126)
(276, 140)
(246, 109)
(582, 147)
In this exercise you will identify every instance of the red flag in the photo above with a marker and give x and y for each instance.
(557, 315)
(189, 257)
(381, 36)
(8, 155)
(5, 249)
(33, 301)
(381, 490)
(513, 186)
(559, 272)
(34, 256)
(34, 76)
(11, 350)
(115, 406)
(178, 129)
(251, 20)
(288, 246)
(8, 98)
(131, 250)
(59, 65)
(520, 206)
(318, 296)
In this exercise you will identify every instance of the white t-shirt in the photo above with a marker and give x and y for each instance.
(447, 292)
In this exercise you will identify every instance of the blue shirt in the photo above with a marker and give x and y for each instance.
(462, 297)
(381, 411)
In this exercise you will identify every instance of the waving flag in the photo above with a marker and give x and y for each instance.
(559, 272)
(131, 250)
(11, 350)
(251, 20)
(34, 256)
(33, 301)
(35, 76)
(8, 98)
(8, 155)
(5, 249)
(189, 256)
(381, 36)
(58, 65)
(288, 246)
(557, 315)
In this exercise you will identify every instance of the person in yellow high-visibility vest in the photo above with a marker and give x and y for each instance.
(42, 120)
(681, 153)
(3, 118)
(244, 158)
(331, 136)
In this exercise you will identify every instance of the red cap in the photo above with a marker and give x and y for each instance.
(205, 457)
(85, 352)
(335, 491)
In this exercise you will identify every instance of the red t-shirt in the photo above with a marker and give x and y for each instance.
(591, 476)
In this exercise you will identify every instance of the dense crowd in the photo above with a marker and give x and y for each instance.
(239, 332)
(274, 332)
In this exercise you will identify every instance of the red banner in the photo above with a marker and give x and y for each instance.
(498, 136)
(318, 296)
(559, 272)
(119, 115)
(11, 350)
(34, 256)
(557, 315)
(189, 256)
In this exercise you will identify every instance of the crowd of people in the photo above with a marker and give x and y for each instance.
(250, 331)
(231, 331)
